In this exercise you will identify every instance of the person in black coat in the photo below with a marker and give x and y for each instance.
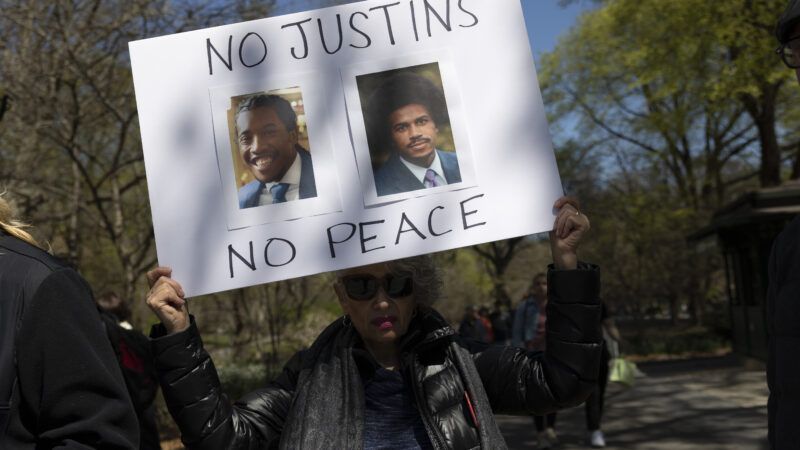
(60, 385)
(783, 295)
(391, 373)
(135, 358)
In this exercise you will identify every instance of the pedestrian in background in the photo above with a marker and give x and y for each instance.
(483, 316)
(527, 314)
(471, 325)
(530, 323)
(502, 322)
(135, 359)
(595, 402)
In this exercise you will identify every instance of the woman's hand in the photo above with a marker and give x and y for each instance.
(568, 229)
(166, 300)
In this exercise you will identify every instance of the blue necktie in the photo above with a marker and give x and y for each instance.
(278, 191)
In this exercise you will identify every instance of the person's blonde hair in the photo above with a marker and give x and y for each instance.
(14, 227)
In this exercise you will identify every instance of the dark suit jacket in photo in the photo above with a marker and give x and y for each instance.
(394, 177)
(250, 192)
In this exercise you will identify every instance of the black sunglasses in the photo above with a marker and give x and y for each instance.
(789, 52)
(364, 287)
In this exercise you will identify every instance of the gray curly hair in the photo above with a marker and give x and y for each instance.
(425, 274)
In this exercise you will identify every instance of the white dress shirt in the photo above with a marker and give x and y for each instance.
(420, 172)
(292, 177)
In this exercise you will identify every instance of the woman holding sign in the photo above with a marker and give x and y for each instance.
(390, 373)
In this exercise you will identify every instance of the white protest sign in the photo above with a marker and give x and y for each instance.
(300, 144)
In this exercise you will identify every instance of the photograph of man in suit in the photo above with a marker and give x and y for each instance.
(404, 112)
(267, 137)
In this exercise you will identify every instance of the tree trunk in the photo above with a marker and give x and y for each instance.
(500, 294)
(762, 111)
(770, 174)
(498, 256)
(3, 106)
(695, 309)
(73, 227)
(674, 309)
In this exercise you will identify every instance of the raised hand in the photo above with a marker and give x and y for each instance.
(166, 300)
(568, 230)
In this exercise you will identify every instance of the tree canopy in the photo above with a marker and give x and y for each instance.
(680, 106)
(695, 85)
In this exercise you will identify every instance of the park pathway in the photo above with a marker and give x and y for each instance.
(712, 403)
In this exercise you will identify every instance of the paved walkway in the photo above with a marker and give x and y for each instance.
(699, 404)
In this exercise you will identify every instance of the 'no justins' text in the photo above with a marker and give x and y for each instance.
(253, 49)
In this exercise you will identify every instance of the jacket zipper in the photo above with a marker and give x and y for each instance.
(472, 411)
(433, 432)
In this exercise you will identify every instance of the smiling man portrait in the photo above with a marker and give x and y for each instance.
(267, 138)
(405, 113)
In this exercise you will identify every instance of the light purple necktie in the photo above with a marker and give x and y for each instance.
(430, 179)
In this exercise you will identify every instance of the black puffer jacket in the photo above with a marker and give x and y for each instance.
(318, 402)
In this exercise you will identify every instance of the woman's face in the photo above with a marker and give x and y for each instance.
(379, 303)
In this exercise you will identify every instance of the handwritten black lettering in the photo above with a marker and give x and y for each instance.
(414, 21)
(404, 220)
(266, 252)
(241, 50)
(430, 223)
(429, 10)
(251, 263)
(210, 47)
(254, 50)
(464, 213)
(474, 17)
(303, 35)
(322, 35)
(385, 9)
(331, 242)
(353, 26)
(364, 240)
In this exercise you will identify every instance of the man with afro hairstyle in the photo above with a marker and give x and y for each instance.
(404, 114)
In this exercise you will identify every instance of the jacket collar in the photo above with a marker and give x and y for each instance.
(428, 329)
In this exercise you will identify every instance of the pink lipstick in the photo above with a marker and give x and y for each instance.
(384, 323)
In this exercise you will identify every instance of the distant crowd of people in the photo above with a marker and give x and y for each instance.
(525, 326)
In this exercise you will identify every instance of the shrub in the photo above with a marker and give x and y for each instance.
(238, 380)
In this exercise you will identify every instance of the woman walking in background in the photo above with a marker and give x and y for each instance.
(530, 333)
(594, 404)
(545, 425)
